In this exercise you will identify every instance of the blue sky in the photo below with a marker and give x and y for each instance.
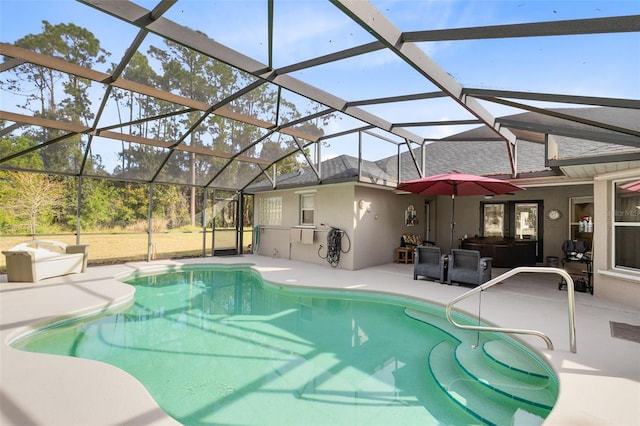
(598, 65)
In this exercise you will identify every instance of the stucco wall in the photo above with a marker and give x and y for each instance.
(380, 224)
(374, 227)
(467, 215)
(333, 207)
(616, 285)
(373, 230)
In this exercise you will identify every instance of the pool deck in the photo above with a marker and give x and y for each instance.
(599, 385)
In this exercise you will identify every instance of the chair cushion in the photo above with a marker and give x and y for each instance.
(411, 240)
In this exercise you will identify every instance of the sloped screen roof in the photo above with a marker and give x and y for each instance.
(228, 94)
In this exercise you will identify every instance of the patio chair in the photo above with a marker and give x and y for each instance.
(467, 267)
(430, 263)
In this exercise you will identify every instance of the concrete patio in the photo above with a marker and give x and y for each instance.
(599, 385)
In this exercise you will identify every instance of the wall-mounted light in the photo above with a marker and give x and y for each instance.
(488, 197)
(410, 216)
(364, 205)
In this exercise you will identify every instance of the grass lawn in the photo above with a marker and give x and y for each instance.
(116, 248)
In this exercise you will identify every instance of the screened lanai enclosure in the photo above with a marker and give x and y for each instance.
(146, 126)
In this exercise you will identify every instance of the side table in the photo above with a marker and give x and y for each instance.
(404, 255)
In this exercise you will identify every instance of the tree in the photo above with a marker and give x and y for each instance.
(76, 45)
(97, 204)
(31, 198)
(59, 96)
(136, 105)
(195, 76)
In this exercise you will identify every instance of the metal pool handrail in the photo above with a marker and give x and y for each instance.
(508, 274)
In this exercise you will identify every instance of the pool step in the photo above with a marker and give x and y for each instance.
(491, 380)
(483, 392)
(532, 388)
(511, 361)
(461, 390)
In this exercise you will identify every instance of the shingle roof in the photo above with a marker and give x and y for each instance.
(479, 156)
(337, 169)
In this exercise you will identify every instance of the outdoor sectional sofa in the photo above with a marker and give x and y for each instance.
(39, 259)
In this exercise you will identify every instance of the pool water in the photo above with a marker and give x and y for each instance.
(219, 346)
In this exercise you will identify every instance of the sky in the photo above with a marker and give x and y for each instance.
(590, 65)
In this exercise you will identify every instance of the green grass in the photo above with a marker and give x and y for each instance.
(118, 248)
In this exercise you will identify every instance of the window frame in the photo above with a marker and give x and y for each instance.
(305, 209)
(509, 226)
(615, 225)
(270, 213)
(483, 216)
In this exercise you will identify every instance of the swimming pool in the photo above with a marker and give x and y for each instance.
(219, 346)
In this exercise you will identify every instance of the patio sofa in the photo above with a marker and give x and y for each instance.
(35, 260)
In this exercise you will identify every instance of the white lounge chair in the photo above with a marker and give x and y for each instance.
(35, 260)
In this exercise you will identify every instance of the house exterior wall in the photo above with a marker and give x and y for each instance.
(373, 230)
(617, 285)
(375, 225)
(380, 224)
(467, 215)
(333, 206)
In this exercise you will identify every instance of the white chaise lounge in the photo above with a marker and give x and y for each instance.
(35, 260)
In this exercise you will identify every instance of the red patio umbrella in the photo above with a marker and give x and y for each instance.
(631, 186)
(454, 184)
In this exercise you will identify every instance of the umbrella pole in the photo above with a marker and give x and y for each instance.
(453, 224)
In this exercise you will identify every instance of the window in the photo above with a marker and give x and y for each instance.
(493, 220)
(526, 221)
(626, 224)
(512, 219)
(307, 209)
(270, 211)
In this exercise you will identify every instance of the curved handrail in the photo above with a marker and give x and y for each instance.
(508, 274)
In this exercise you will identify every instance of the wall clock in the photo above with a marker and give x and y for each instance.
(554, 214)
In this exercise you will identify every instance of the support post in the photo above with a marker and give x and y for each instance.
(150, 223)
(240, 224)
(213, 224)
(359, 156)
(204, 221)
(78, 210)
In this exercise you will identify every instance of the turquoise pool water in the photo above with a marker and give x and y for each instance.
(218, 346)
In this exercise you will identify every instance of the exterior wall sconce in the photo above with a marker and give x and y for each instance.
(410, 216)
(364, 205)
